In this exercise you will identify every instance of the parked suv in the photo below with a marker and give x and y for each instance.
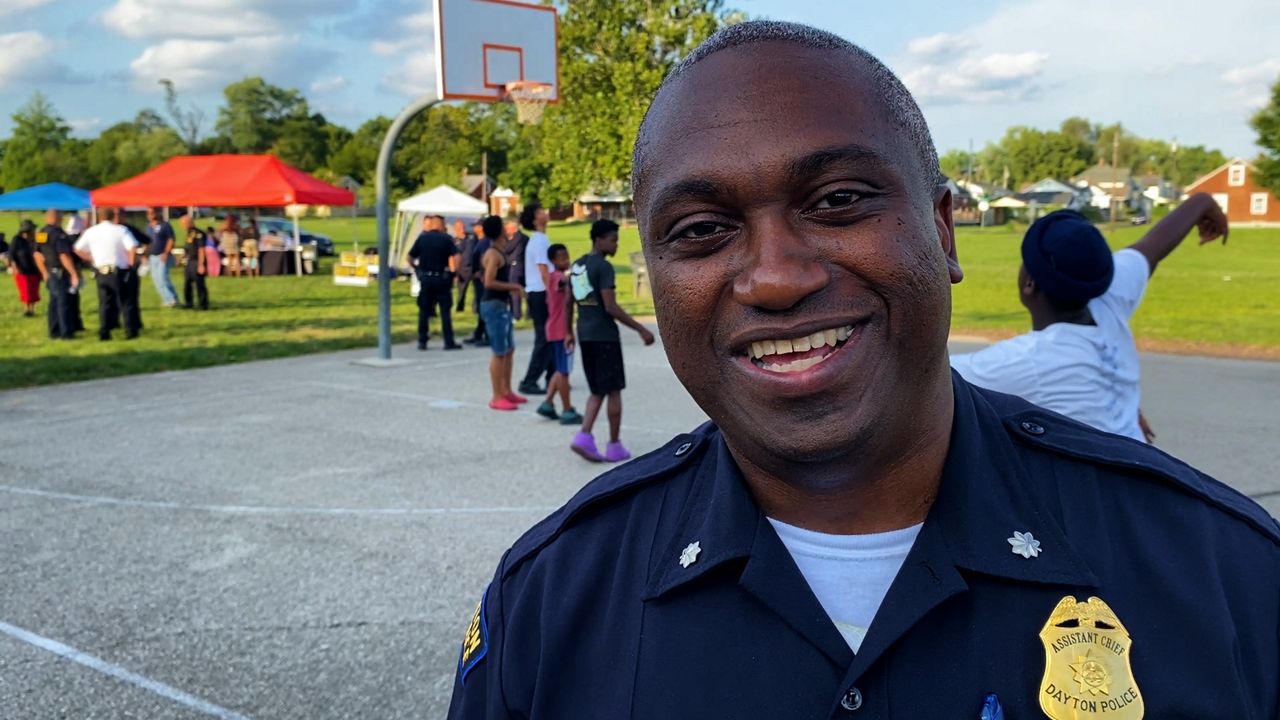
(284, 226)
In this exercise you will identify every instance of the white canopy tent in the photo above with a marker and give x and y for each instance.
(444, 200)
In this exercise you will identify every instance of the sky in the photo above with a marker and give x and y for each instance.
(1176, 69)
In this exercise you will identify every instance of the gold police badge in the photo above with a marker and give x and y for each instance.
(1086, 664)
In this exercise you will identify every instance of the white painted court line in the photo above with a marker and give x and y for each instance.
(273, 510)
(440, 403)
(115, 671)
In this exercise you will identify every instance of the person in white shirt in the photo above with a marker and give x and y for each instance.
(110, 247)
(537, 271)
(74, 225)
(1080, 358)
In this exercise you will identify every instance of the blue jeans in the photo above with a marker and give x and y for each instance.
(160, 278)
(497, 322)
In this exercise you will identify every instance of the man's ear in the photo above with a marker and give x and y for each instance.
(945, 222)
(1028, 288)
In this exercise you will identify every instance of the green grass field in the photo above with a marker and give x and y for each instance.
(1213, 299)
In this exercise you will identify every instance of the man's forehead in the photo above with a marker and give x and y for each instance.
(754, 93)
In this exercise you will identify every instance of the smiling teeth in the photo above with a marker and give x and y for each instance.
(823, 338)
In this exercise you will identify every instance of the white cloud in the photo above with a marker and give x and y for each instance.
(941, 46)
(25, 60)
(416, 74)
(1161, 72)
(83, 125)
(210, 64)
(999, 77)
(329, 84)
(1253, 83)
(13, 7)
(213, 18)
(1266, 72)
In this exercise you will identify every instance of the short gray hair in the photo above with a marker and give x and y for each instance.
(902, 106)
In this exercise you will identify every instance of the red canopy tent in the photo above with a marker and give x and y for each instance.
(222, 181)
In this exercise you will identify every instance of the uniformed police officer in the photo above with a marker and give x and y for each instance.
(197, 267)
(858, 532)
(434, 258)
(110, 247)
(58, 268)
(73, 227)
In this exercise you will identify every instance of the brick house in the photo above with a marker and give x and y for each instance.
(1235, 187)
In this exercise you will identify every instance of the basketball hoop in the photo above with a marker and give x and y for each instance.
(530, 99)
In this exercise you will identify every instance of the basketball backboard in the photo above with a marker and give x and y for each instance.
(481, 45)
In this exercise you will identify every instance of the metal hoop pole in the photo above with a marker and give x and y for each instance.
(384, 250)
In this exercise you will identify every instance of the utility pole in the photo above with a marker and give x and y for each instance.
(1115, 172)
(484, 174)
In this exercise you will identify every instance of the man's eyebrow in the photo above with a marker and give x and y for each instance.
(698, 188)
(815, 162)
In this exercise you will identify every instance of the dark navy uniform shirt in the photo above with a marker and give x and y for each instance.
(592, 615)
(432, 249)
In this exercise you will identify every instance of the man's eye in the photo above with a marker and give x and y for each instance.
(837, 199)
(701, 230)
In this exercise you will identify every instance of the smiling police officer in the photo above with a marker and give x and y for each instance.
(859, 532)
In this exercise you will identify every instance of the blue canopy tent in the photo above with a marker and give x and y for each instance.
(51, 196)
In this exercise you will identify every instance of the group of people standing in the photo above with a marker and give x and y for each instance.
(60, 256)
(507, 271)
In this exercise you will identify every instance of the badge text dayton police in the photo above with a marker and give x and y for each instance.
(1086, 664)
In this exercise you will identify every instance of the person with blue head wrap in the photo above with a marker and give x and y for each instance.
(1080, 358)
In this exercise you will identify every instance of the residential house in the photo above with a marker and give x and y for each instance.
(1050, 194)
(1156, 191)
(1109, 187)
(504, 202)
(1235, 187)
(964, 208)
(477, 186)
(606, 205)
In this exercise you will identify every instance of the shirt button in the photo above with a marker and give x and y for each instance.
(852, 700)
(683, 449)
(1031, 428)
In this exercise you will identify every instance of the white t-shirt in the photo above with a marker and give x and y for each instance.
(74, 225)
(535, 254)
(849, 574)
(108, 243)
(1087, 372)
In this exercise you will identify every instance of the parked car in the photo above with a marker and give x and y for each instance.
(1139, 220)
(284, 226)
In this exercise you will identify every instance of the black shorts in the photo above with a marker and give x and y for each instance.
(602, 363)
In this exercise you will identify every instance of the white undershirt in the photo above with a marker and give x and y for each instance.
(849, 574)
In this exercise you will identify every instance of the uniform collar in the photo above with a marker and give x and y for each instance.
(985, 496)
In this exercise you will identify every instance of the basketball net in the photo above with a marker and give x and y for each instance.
(530, 99)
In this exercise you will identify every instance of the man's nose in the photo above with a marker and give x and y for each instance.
(781, 269)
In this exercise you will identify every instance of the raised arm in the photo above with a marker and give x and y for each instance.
(1200, 210)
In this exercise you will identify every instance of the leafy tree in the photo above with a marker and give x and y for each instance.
(956, 164)
(129, 148)
(255, 112)
(1267, 122)
(1080, 129)
(450, 140)
(303, 141)
(613, 56)
(357, 158)
(1037, 154)
(32, 152)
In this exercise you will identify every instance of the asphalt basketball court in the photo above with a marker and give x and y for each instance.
(306, 538)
